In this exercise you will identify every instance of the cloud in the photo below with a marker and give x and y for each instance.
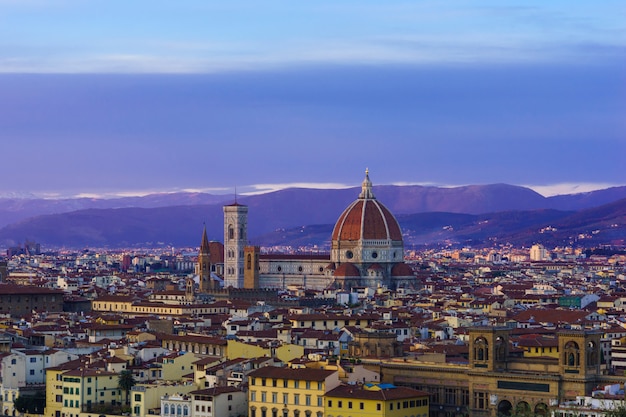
(417, 49)
(569, 188)
(268, 188)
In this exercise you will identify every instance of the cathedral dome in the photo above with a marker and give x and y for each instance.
(347, 270)
(366, 219)
(402, 270)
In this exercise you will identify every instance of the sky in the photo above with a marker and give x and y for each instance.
(110, 98)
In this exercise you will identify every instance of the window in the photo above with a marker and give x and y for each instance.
(330, 403)
(296, 399)
(296, 384)
(378, 407)
(339, 404)
(33, 360)
(349, 404)
(32, 372)
(252, 395)
(285, 383)
(307, 400)
(480, 400)
(264, 397)
(308, 384)
(137, 397)
(361, 406)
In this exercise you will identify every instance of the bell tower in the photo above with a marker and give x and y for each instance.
(204, 264)
(235, 238)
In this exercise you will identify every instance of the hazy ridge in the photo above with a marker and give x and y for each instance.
(478, 214)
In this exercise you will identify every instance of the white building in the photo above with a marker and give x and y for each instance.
(539, 253)
(219, 402)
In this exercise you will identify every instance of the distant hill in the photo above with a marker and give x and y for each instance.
(16, 209)
(428, 215)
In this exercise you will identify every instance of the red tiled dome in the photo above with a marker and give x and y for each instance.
(401, 270)
(347, 270)
(366, 218)
(375, 267)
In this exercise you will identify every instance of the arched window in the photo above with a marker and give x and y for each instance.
(249, 262)
(500, 349)
(179, 409)
(571, 354)
(166, 409)
(592, 354)
(231, 232)
(481, 349)
(185, 411)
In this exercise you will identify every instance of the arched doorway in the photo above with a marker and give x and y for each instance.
(541, 409)
(522, 409)
(504, 408)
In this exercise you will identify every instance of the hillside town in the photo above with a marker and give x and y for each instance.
(372, 329)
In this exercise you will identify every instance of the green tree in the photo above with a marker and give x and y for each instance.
(32, 404)
(618, 411)
(21, 404)
(126, 382)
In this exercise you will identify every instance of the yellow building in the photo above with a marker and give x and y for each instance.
(375, 400)
(498, 380)
(177, 367)
(72, 389)
(89, 390)
(54, 388)
(539, 346)
(289, 392)
(201, 344)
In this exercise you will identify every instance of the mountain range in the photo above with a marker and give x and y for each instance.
(480, 215)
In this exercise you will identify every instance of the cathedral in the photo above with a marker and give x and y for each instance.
(366, 251)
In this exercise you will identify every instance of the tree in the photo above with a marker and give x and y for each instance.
(32, 404)
(126, 382)
(21, 404)
(618, 411)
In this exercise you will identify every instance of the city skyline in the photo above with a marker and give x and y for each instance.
(112, 99)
